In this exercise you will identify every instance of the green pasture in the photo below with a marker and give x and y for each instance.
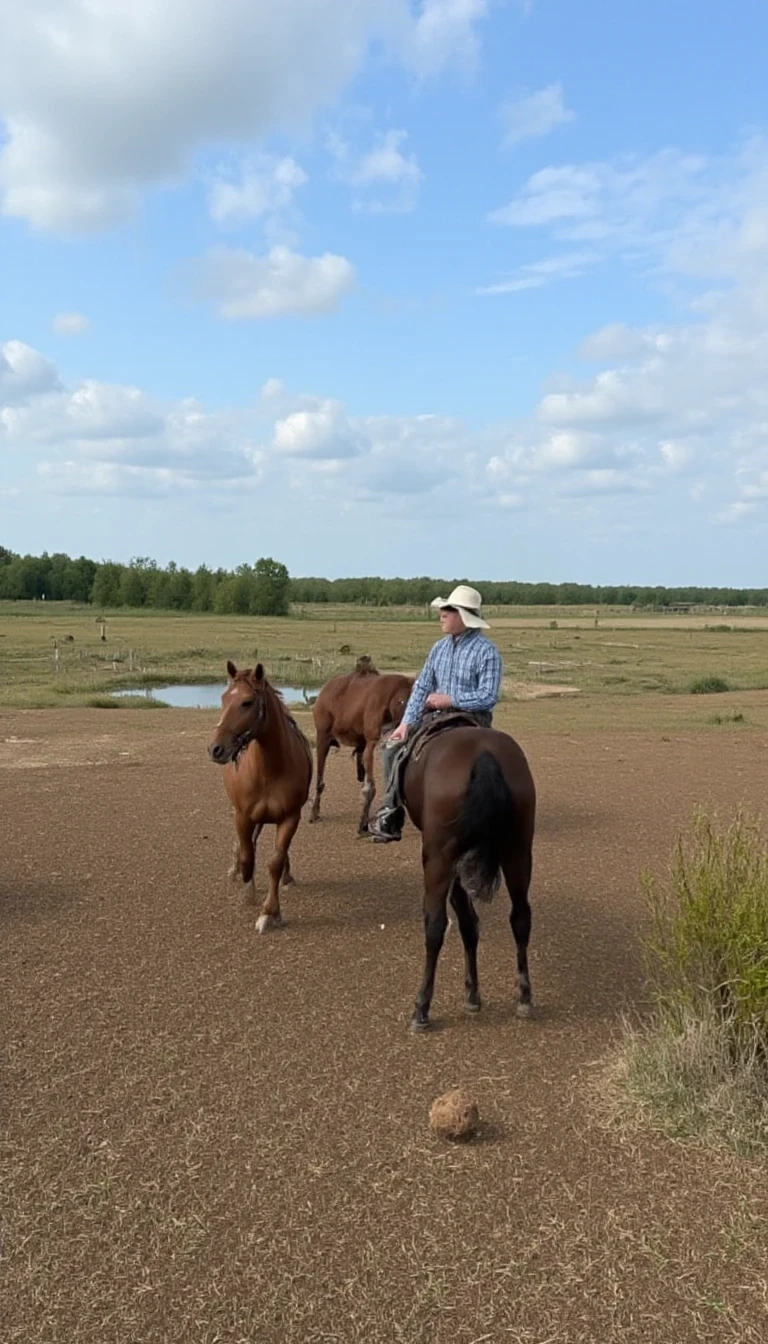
(694, 670)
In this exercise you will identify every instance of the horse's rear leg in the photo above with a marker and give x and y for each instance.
(517, 875)
(288, 878)
(437, 881)
(323, 744)
(270, 916)
(469, 925)
(369, 788)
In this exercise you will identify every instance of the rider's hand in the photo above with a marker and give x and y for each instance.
(400, 733)
(438, 701)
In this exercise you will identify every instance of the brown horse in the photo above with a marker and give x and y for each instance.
(354, 709)
(267, 773)
(470, 792)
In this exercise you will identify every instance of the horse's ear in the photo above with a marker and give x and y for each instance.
(232, 670)
(259, 673)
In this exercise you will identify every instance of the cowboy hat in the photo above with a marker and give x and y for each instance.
(468, 601)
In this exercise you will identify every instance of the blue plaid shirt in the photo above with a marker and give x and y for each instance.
(466, 667)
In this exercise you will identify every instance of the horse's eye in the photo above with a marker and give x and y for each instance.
(246, 704)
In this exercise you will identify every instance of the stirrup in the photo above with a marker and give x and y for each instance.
(379, 827)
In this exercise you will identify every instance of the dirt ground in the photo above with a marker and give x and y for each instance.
(208, 1136)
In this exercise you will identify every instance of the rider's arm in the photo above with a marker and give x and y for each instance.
(424, 683)
(485, 694)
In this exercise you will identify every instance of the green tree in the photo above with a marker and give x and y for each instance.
(106, 585)
(271, 585)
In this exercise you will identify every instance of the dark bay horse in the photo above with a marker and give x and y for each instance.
(267, 773)
(471, 793)
(354, 710)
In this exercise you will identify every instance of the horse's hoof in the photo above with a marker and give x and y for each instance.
(266, 922)
(472, 1006)
(524, 1010)
(289, 881)
(419, 1023)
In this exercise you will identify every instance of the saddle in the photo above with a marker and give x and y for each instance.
(438, 721)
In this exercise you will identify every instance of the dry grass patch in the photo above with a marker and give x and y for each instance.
(699, 1066)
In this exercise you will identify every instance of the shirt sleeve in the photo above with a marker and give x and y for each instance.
(424, 683)
(485, 694)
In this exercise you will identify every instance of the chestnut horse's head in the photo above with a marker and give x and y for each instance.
(244, 713)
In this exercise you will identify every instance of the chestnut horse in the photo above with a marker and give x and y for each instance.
(267, 773)
(470, 792)
(355, 709)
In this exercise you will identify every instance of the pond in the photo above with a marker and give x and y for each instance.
(209, 697)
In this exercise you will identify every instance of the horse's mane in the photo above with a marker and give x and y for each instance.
(364, 667)
(247, 674)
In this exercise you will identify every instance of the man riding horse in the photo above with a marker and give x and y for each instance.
(462, 673)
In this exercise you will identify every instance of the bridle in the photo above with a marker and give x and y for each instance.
(244, 739)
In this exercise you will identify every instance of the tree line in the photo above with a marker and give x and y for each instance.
(266, 588)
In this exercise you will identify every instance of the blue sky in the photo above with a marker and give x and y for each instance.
(472, 287)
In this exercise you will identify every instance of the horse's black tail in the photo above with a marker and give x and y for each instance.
(483, 827)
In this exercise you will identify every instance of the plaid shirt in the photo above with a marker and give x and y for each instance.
(466, 667)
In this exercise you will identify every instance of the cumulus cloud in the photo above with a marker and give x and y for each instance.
(260, 187)
(534, 114)
(24, 373)
(94, 112)
(675, 418)
(445, 34)
(387, 178)
(242, 285)
(324, 433)
(70, 324)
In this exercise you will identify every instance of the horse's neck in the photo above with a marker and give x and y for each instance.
(274, 742)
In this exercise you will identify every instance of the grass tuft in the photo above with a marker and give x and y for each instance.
(708, 685)
(699, 1066)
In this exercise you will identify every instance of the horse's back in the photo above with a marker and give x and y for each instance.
(350, 702)
(443, 770)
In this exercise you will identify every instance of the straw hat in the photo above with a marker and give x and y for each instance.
(468, 602)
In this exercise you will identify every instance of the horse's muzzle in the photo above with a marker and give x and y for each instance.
(219, 754)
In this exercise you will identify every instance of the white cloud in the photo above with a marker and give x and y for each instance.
(262, 186)
(24, 373)
(444, 34)
(566, 266)
(674, 424)
(616, 341)
(668, 213)
(242, 285)
(677, 454)
(70, 324)
(324, 434)
(535, 114)
(387, 179)
(100, 101)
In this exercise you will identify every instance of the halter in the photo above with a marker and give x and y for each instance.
(244, 740)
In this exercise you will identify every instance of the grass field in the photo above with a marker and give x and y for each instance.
(212, 1137)
(562, 665)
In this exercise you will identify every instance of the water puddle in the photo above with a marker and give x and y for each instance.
(209, 696)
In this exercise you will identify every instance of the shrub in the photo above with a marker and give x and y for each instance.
(707, 950)
(708, 685)
(700, 1064)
